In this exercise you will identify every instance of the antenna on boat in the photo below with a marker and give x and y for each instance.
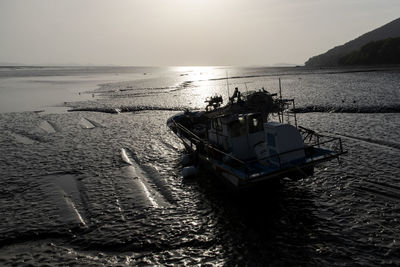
(227, 84)
(245, 84)
(280, 96)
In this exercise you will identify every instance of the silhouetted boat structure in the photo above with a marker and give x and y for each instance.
(253, 138)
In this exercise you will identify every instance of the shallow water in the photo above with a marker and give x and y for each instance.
(94, 188)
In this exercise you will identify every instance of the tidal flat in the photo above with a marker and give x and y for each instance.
(102, 185)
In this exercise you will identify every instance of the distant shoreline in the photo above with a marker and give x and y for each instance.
(359, 68)
(380, 66)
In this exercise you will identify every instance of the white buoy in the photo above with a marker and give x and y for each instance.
(185, 159)
(189, 171)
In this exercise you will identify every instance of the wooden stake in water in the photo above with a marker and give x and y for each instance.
(227, 84)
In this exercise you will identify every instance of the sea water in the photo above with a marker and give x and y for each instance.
(91, 187)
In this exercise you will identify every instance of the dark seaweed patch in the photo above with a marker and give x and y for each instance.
(349, 109)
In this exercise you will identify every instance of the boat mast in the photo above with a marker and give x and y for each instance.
(245, 84)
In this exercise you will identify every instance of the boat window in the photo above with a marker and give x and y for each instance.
(255, 124)
(217, 124)
(237, 127)
(271, 140)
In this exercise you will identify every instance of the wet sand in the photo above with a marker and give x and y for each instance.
(92, 187)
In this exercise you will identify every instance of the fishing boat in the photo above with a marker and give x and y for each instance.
(253, 138)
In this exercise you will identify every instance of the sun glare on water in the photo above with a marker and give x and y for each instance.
(197, 72)
(201, 76)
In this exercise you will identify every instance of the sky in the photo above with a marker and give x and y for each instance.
(182, 32)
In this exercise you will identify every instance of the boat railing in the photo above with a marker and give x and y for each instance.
(331, 145)
(286, 112)
(331, 148)
(211, 150)
(182, 128)
(312, 138)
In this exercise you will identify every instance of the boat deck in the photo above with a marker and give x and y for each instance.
(254, 169)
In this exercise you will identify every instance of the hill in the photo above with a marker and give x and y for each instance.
(331, 57)
(385, 51)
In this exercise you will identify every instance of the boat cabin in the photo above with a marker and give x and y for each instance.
(236, 133)
(247, 137)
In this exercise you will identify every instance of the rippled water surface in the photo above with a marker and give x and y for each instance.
(103, 184)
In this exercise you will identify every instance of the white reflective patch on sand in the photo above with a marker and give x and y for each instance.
(47, 127)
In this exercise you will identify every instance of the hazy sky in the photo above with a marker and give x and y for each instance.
(182, 32)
